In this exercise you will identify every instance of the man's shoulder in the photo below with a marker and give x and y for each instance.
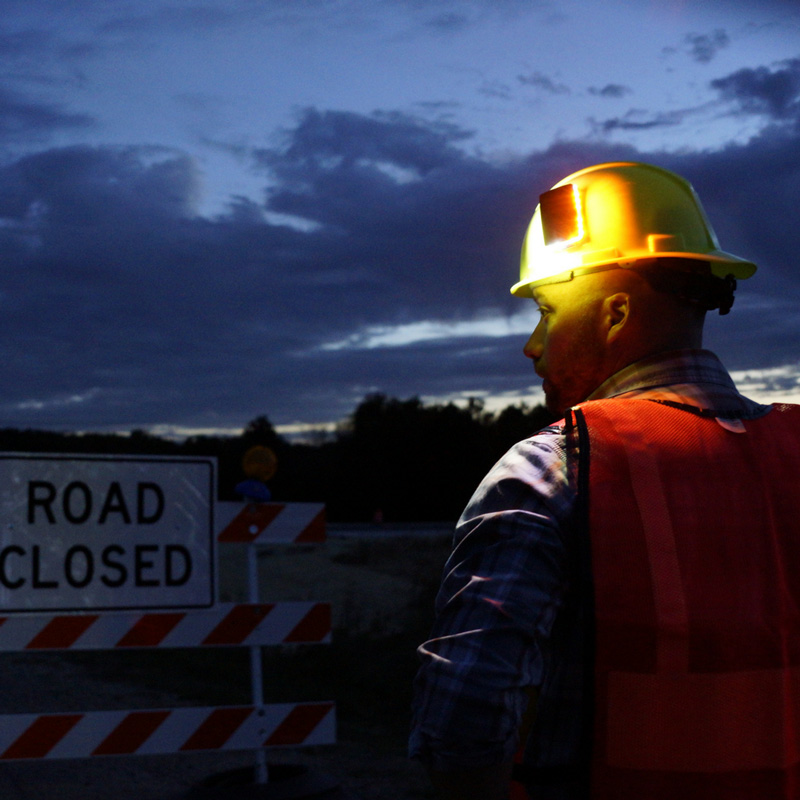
(550, 436)
(700, 400)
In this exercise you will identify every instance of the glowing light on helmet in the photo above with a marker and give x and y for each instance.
(562, 216)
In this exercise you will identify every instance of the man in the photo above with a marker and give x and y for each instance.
(622, 604)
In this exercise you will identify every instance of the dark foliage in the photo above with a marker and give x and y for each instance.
(395, 460)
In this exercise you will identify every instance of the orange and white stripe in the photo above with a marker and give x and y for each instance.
(152, 732)
(227, 624)
(270, 522)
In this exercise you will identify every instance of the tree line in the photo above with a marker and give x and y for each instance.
(391, 460)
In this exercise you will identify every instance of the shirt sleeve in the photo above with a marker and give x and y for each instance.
(502, 588)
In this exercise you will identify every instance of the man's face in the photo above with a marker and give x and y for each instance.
(568, 344)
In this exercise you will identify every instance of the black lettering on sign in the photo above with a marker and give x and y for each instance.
(108, 561)
(115, 566)
(141, 564)
(80, 574)
(4, 554)
(37, 581)
(177, 574)
(143, 506)
(84, 505)
(114, 504)
(41, 493)
(77, 503)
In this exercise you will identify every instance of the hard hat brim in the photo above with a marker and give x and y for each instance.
(721, 265)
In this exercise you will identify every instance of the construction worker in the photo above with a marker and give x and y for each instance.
(620, 613)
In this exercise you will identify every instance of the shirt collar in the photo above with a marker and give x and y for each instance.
(667, 369)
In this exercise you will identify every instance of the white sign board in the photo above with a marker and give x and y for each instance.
(85, 533)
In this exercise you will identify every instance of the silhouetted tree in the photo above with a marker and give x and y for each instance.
(402, 458)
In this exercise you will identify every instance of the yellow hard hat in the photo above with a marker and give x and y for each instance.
(615, 215)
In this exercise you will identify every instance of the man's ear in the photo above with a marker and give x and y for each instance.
(616, 314)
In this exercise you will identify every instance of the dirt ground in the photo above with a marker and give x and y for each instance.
(381, 589)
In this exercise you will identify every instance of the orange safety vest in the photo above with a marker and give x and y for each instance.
(695, 561)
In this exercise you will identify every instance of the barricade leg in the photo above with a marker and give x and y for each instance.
(256, 675)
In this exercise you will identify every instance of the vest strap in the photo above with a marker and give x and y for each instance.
(669, 596)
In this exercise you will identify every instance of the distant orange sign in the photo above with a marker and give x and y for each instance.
(260, 462)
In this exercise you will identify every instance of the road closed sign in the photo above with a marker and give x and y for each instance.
(86, 533)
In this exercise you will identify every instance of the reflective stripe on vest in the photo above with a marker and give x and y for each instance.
(695, 533)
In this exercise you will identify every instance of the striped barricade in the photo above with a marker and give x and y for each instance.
(161, 731)
(262, 523)
(227, 624)
(256, 727)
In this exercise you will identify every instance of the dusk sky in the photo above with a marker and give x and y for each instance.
(215, 210)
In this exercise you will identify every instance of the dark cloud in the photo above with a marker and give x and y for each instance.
(614, 90)
(773, 93)
(129, 309)
(386, 193)
(541, 81)
(638, 120)
(22, 43)
(21, 118)
(434, 16)
(322, 140)
(448, 22)
(496, 89)
(456, 15)
(703, 47)
(122, 307)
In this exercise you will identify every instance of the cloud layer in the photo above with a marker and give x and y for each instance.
(123, 306)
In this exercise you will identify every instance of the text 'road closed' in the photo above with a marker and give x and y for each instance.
(78, 503)
(140, 566)
(97, 532)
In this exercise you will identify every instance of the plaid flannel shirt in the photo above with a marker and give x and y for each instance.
(503, 620)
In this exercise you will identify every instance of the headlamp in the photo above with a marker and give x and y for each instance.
(562, 216)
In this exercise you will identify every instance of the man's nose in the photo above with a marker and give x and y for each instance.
(534, 345)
